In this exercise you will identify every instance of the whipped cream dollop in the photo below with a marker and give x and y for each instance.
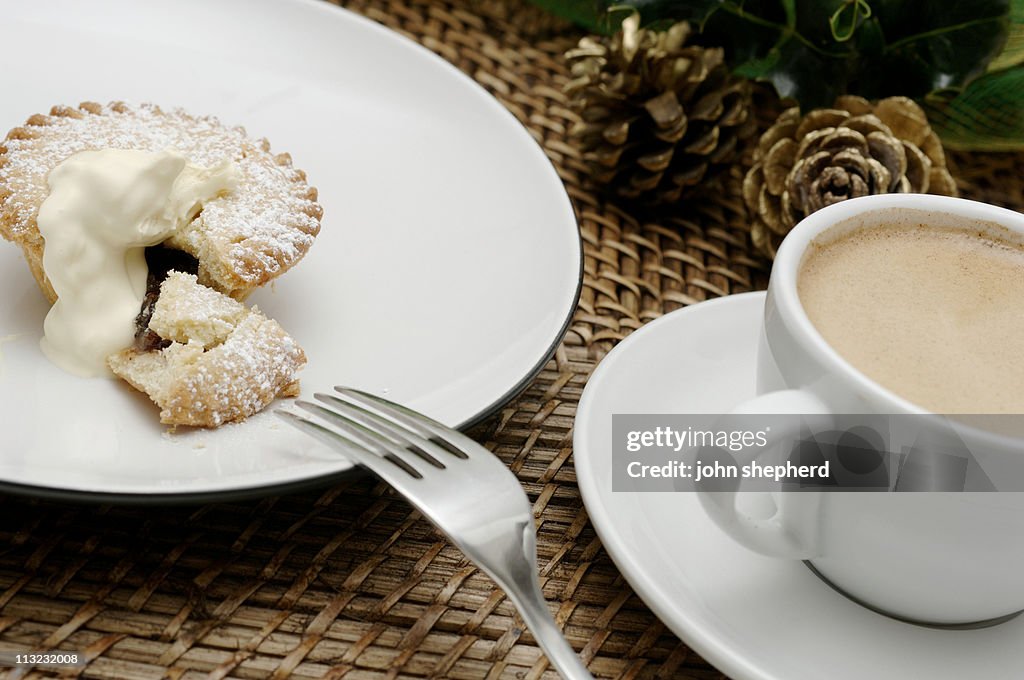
(103, 209)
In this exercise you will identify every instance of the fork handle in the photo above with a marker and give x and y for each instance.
(525, 593)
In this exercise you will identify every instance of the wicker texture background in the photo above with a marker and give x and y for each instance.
(350, 582)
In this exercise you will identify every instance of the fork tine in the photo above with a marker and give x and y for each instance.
(369, 438)
(390, 428)
(355, 452)
(452, 441)
(421, 436)
(363, 435)
(407, 416)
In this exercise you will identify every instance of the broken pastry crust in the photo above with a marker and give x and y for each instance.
(225, 362)
(242, 239)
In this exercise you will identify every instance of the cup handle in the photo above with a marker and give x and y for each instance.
(776, 536)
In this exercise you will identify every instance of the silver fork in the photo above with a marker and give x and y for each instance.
(460, 486)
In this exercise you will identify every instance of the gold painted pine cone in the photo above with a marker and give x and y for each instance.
(804, 163)
(657, 116)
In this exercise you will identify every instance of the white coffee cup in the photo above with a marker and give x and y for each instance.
(941, 558)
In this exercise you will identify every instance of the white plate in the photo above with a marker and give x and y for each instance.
(445, 273)
(754, 617)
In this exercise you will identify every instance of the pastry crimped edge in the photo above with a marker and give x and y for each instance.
(230, 260)
(249, 362)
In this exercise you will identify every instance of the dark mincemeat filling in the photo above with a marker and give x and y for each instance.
(161, 261)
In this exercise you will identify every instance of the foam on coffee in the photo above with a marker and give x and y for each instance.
(934, 314)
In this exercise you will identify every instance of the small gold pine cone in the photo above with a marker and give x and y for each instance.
(856, 148)
(658, 116)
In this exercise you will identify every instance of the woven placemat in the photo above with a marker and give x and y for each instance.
(350, 582)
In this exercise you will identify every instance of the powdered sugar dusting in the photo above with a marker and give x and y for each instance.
(242, 239)
(243, 375)
(207, 386)
(186, 312)
(238, 377)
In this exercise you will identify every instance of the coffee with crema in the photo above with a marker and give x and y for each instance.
(934, 314)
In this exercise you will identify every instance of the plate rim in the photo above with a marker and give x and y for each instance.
(322, 480)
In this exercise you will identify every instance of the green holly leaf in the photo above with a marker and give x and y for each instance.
(590, 14)
(653, 11)
(932, 45)
(605, 16)
(799, 73)
(1013, 51)
(988, 115)
(781, 42)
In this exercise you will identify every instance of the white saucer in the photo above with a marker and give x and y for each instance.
(754, 617)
